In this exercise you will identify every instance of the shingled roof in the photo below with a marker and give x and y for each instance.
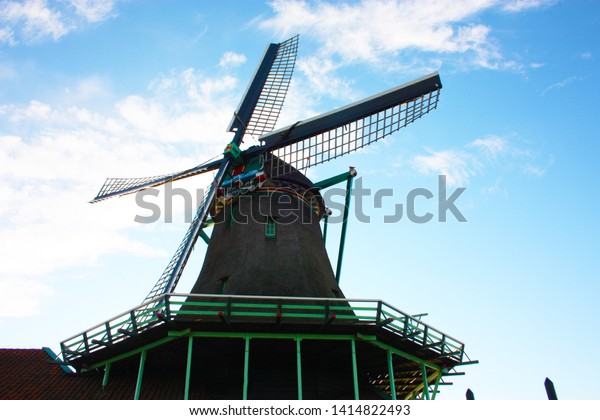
(29, 374)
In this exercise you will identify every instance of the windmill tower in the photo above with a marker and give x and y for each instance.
(266, 318)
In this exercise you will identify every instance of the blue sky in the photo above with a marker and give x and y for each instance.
(92, 89)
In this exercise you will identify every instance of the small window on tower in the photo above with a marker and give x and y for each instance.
(270, 229)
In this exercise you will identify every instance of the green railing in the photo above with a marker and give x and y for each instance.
(173, 308)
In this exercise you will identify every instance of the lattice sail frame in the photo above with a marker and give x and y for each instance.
(342, 140)
(269, 104)
(120, 186)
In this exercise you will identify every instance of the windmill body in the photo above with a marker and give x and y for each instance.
(268, 242)
(266, 317)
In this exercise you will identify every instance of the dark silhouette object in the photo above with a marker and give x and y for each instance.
(550, 391)
(470, 395)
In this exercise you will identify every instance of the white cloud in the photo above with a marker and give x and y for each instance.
(490, 146)
(231, 59)
(25, 297)
(390, 33)
(458, 166)
(55, 156)
(491, 153)
(93, 10)
(561, 84)
(520, 5)
(320, 72)
(586, 55)
(31, 21)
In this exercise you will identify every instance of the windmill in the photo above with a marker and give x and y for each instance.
(266, 276)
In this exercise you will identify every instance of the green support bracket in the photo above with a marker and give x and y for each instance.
(138, 385)
(188, 368)
(299, 368)
(354, 370)
(106, 374)
(390, 355)
(407, 356)
(325, 219)
(129, 353)
(338, 271)
(425, 382)
(246, 362)
(437, 384)
(326, 183)
(205, 237)
(329, 182)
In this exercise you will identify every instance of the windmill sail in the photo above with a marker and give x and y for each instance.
(257, 114)
(260, 107)
(258, 111)
(120, 186)
(333, 134)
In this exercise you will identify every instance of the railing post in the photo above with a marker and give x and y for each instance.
(63, 350)
(108, 333)
(133, 321)
(168, 307)
(85, 342)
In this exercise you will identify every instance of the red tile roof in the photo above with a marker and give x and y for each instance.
(28, 374)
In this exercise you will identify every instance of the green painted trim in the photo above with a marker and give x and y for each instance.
(325, 224)
(246, 362)
(299, 368)
(354, 370)
(285, 336)
(398, 352)
(182, 333)
(105, 377)
(390, 355)
(138, 385)
(425, 382)
(188, 368)
(130, 353)
(326, 183)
